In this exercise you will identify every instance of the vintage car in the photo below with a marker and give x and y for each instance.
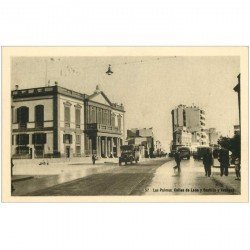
(129, 153)
(201, 151)
(184, 152)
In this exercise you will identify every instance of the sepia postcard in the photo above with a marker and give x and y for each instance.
(125, 124)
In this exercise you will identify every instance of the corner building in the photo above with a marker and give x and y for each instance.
(51, 122)
(47, 122)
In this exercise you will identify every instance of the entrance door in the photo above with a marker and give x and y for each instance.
(67, 151)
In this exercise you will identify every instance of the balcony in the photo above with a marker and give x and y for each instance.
(22, 125)
(39, 125)
(102, 128)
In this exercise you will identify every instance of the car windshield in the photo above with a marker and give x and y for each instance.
(126, 151)
(184, 149)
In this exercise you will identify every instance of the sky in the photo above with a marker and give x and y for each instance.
(148, 87)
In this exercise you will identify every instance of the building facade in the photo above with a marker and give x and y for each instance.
(52, 122)
(104, 125)
(142, 137)
(213, 136)
(188, 122)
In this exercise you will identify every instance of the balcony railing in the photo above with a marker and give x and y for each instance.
(102, 128)
(22, 125)
(39, 124)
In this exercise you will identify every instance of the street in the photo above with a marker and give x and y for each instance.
(149, 177)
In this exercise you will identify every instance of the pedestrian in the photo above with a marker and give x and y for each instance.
(236, 162)
(224, 161)
(208, 162)
(12, 166)
(93, 159)
(11, 171)
(237, 168)
(177, 158)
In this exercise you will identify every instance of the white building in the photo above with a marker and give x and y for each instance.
(54, 122)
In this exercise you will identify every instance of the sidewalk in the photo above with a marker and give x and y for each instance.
(228, 182)
(17, 178)
(57, 166)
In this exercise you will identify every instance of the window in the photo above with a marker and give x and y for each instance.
(105, 117)
(78, 118)
(113, 120)
(184, 118)
(93, 115)
(78, 150)
(67, 138)
(67, 116)
(23, 116)
(78, 139)
(99, 115)
(39, 150)
(22, 139)
(119, 122)
(22, 150)
(39, 116)
(39, 138)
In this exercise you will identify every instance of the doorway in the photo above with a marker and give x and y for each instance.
(67, 151)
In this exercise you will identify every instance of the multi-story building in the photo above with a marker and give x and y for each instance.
(188, 121)
(104, 125)
(213, 136)
(54, 122)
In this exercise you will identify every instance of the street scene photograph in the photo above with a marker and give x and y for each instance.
(125, 126)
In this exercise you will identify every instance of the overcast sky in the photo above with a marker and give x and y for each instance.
(149, 87)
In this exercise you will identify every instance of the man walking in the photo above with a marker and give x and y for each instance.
(177, 158)
(93, 159)
(224, 161)
(208, 162)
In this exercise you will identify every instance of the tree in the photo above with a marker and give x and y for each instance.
(232, 144)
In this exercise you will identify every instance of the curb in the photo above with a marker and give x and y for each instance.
(23, 179)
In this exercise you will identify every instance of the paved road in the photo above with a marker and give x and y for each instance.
(151, 177)
(124, 180)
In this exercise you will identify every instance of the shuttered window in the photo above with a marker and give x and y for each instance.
(39, 138)
(39, 116)
(67, 116)
(78, 118)
(22, 139)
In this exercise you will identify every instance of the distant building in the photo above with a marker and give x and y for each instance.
(182, 137)
(142, 137)
(186, 122)
(213, 136)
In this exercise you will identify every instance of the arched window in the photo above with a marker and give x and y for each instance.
(39, 116)
(23, 116)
